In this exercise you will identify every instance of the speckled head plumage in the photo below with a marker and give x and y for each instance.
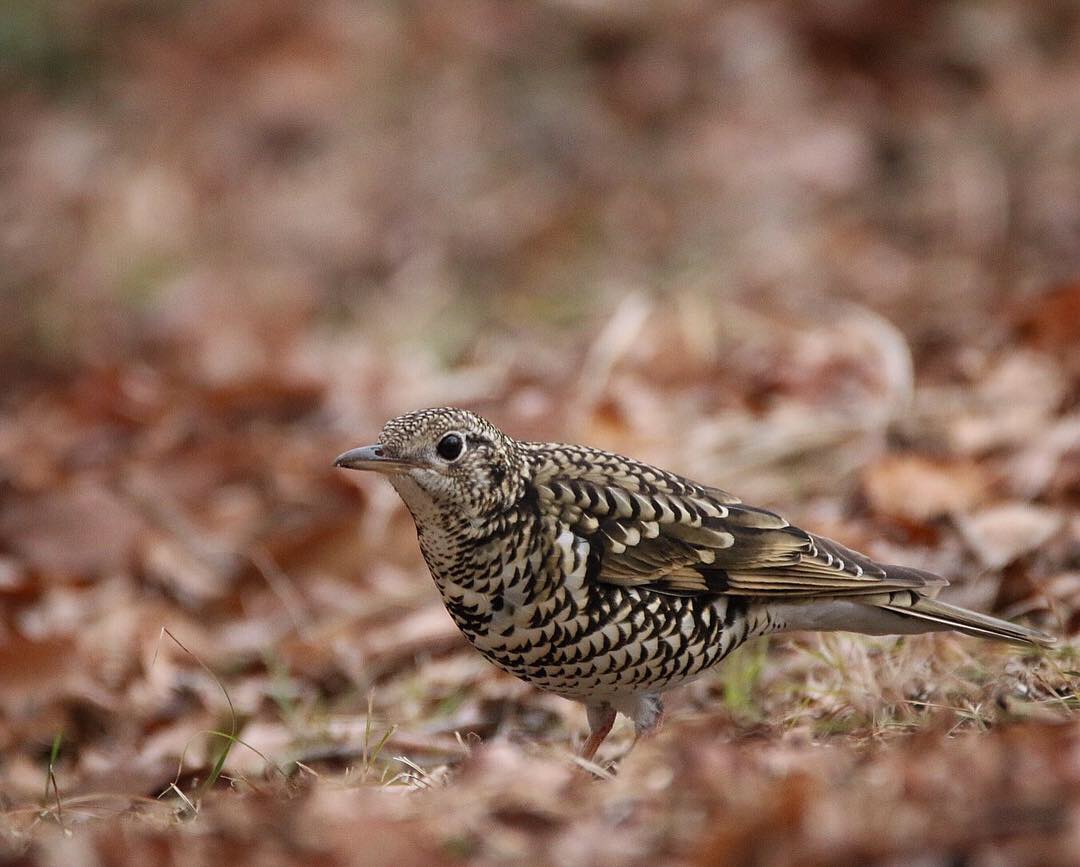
(445, 457)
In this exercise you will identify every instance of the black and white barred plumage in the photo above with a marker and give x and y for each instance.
(608, 581)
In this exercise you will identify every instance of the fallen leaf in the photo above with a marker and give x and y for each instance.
(33, 673)
(919, 489)
(80, 530)
(1000, 534)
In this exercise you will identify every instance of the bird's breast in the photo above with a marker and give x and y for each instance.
(521, 592)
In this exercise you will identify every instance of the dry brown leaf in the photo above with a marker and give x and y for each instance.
(919, 489)
(1052, 321)
(1000, 534)
(34, 673)
(80, 530)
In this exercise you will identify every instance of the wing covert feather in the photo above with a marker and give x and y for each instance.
(657, 530)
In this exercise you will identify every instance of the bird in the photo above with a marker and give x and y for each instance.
(608, 581)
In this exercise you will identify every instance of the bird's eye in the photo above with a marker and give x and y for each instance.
(450, 447)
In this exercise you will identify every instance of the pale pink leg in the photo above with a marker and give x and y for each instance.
(601, 719)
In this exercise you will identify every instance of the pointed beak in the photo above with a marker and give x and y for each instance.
(371, 458)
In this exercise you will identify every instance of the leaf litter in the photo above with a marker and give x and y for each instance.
(217, 285)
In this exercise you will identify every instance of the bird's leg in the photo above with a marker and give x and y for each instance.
(648, 717)
(601, 719)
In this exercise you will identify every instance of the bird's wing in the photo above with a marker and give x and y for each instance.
(696, 542)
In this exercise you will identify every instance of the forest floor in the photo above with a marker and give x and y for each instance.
(215, 643)
(823, 255)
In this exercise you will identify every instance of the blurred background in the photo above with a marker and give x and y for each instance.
(823, 253)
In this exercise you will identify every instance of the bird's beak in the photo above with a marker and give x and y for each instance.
(371, 458)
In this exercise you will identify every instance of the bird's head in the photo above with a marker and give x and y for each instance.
(445, 457)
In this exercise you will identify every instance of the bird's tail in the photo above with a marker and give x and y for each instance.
(948, 616)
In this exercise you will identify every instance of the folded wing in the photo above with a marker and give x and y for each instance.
(695, 542)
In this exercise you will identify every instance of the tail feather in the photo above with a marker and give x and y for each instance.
(968, 622)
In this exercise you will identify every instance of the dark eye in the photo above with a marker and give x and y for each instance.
(450, 447)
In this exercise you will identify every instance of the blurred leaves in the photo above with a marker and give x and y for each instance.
(823, 255)
(40, 41)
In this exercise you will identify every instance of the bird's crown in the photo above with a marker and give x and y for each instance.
(426, 427)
